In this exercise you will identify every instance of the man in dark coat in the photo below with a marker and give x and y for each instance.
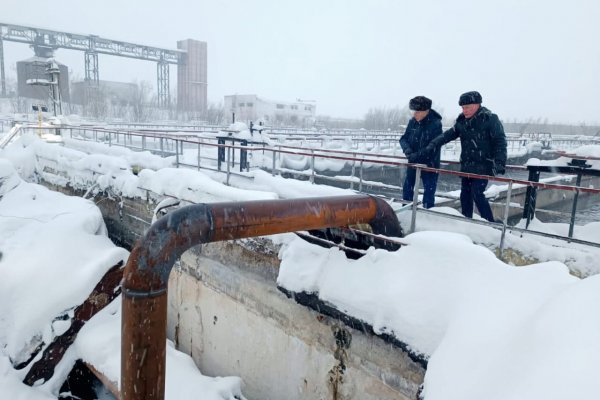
(425, 125)
(483, 151)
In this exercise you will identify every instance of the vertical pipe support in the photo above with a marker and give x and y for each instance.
(530, 196)
(415, 203)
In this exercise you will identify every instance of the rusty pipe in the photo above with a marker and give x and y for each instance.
(145, 280)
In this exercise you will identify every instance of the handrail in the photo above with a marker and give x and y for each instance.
(6, 139)
(313, 153)
(174, 145)
(145, 284)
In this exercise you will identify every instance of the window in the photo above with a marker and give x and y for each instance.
(249, 104)
(307, 108)
(280, 106)
(294, 107)
(240, 104)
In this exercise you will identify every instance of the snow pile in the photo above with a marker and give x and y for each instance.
(481, 322)
(54, 250)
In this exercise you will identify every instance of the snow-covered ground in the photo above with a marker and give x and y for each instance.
(489, 329)
(54, 250)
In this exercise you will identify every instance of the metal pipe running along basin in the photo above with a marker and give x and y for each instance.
(146, 276)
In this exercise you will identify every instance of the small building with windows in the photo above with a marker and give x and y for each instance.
(250, 107)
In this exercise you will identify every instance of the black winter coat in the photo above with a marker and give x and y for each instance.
(418, 135)
(482, 140)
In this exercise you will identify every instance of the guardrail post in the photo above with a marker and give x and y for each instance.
(220, 152)
(574, 209)
(361, 176)
(228, 164)
(177, 153)
(353, 171)
(244, 156)
(273, 171)
(198, 155)
(413, 217)
(530, 197)
(505, 220)
(312, 166)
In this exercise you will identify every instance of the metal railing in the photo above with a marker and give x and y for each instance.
(168, 145)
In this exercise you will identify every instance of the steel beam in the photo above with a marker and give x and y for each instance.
(162, 84)
(73, 41)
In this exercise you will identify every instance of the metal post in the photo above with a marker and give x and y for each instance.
(2, 77)
(505, 220)
(109, 139)
(530, 196)
(361, 176)
(228, 164)
(244, 156)
(413, 218)
(198, 156)
(143, 143)
(220, 152)
(312, 166)
(574, 209)
(162, 84)
(273, 169)
(353, 171)
(176, 153)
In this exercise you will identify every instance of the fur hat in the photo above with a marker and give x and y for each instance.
(419, 103)
(469, 98)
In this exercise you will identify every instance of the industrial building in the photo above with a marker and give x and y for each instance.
(190, 59)
(33, 78)
(192, 86)
(250, 107)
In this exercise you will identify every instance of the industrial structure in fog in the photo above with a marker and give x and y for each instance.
(250, 107)
(190, 58)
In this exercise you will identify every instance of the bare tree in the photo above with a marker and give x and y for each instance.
(95, 102)
(140, 105)
(215, 114)
(386, 118)
(19, 104)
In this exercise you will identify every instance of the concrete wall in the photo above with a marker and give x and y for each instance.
(226, 312)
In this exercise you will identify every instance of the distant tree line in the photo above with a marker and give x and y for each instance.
(392, 119)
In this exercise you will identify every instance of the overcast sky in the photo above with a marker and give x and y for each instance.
(537, 58)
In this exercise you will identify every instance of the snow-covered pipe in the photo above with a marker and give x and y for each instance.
(143, 326)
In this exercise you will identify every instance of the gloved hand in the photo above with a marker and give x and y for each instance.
(411, 157)
(430, 148)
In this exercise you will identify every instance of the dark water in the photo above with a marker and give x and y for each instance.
(588, 210)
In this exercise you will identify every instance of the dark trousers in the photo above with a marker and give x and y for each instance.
(471, 190)
(429, 180)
